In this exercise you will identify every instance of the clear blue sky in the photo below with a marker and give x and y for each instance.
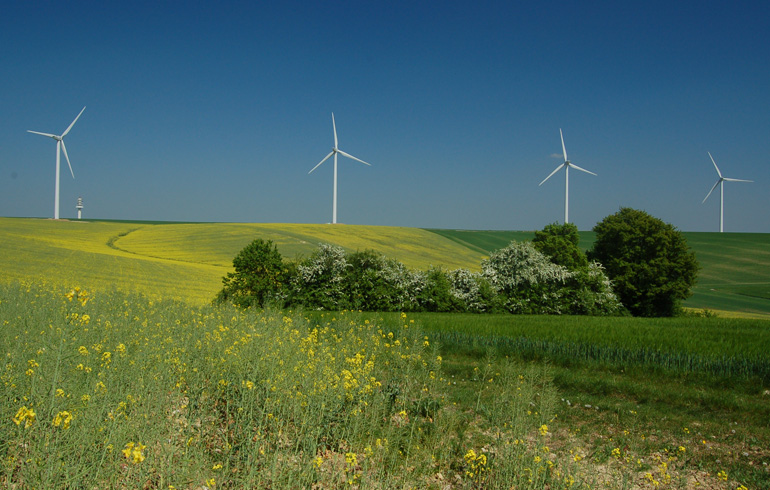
(216, 111)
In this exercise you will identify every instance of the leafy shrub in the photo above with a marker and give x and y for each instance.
(590, 293)
(560, 242)
(260, 276)
(527, 281)
(320, 279)
(648, 260)
(525, 278)
(436, 293)
(377, 283)
(473, 291)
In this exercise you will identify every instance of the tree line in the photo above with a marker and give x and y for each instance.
(638, 265)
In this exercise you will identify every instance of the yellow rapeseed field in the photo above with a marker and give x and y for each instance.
(187, 261)
(218, 243)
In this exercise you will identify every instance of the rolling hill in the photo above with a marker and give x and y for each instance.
(186, 261)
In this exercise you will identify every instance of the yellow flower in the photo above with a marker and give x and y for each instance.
(133, 452)
(543, 430)
(82, 350)
(722, 475)
(62, 419)
(100, 388)
(26, 415)
(350, 459)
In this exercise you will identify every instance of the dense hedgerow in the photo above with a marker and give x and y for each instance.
(516, 279)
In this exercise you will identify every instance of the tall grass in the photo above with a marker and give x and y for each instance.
(121, 391)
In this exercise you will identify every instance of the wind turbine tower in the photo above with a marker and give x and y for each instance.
(59, 147)
(79, 207)
(566, 165)
(721, 183)
(334, 152)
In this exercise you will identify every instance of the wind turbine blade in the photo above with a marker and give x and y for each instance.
(712, 190)
(73, 123)
(736, 180)
(335, 132)
(581, 169)
(563, 148)
(715, 164)
(44, 134)
(319, 163)
(551, 174)
(63, 147)
(354, 158)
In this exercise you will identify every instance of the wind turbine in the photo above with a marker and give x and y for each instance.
(60, 146)
(566, 165)
(334, 152)
(721, 183)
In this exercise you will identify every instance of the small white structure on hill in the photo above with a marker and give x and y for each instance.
(79, 207)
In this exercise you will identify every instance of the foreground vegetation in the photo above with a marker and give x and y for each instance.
(120, 391)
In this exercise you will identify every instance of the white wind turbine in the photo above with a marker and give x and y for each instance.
(334, 152)
(60, 146)
(721, 183)
(566, 165)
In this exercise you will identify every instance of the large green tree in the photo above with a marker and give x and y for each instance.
(260, 276)
(651, 267)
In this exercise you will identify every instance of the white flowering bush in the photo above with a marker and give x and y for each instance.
(472, 290)
(590, 292)
(376, 283)
(319, 280)
(529, 282)
(525, 278)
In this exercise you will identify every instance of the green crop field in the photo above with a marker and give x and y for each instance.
(735, 274)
